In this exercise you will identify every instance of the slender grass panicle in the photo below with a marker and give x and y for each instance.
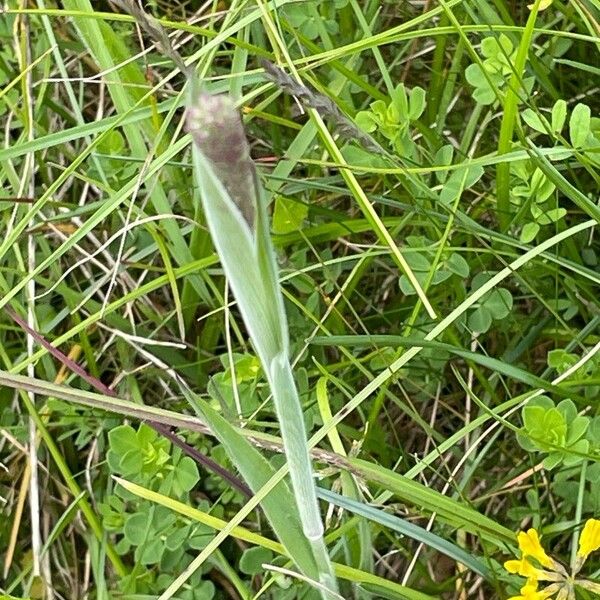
(156, 32)
(326, 107)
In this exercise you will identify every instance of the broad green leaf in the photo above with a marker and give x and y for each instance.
(489, 47)
(122, 439)
(529, 231)
(185, 475)
(474, 76)
(279, 506)
(253, 558)
(567, 409)
(113, 143)
(572, 453)
(177, 538)
(577, 429)
(247, 367)
(288, 215)
(145, 436)
(443, 158)
(535, 121)
(136, 528)
(459, 181)
(541, 187)
(552, 460)
(593, 432)
(399, 103)
(542, 401)
(565, 187)
(200, 537)
(458, 265)
(547, 427)
(205, 590)
(559, 116)
(151, 552)
(552, 216)
(532, 416)
(560, 359)
(526, 443)
(417, 103)
(130, 463)
(480, 320)
(420, 266)
(593, 473)
(499, 303)
(363, 158)
(365, 120)
(579, 125)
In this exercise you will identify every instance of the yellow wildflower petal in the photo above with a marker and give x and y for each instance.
(529, 592)
(522, 567)
(529, 544)
(590, 538)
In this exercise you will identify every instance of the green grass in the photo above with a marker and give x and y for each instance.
(421, 355)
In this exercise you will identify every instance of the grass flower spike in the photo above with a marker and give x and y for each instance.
(236, 215)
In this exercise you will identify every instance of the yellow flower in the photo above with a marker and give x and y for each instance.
(532, 554)
(522, 567)
(530, 592)
(529, 544)
(590, 538)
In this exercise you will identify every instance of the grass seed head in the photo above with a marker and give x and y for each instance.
(217, 130)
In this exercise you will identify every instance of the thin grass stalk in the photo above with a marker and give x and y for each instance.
(509, 118)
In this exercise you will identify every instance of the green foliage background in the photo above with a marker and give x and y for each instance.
(431, 171)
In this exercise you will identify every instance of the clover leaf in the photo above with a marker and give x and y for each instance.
(393, 119)
(493, 75)
(252, 560)
(495, 305)
(554, 430)
(421, 265)
(561, 360)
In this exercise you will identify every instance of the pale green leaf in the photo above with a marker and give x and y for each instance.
(579, 125)
(559, 115)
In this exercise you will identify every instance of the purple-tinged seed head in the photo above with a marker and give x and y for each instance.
(218, 132)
